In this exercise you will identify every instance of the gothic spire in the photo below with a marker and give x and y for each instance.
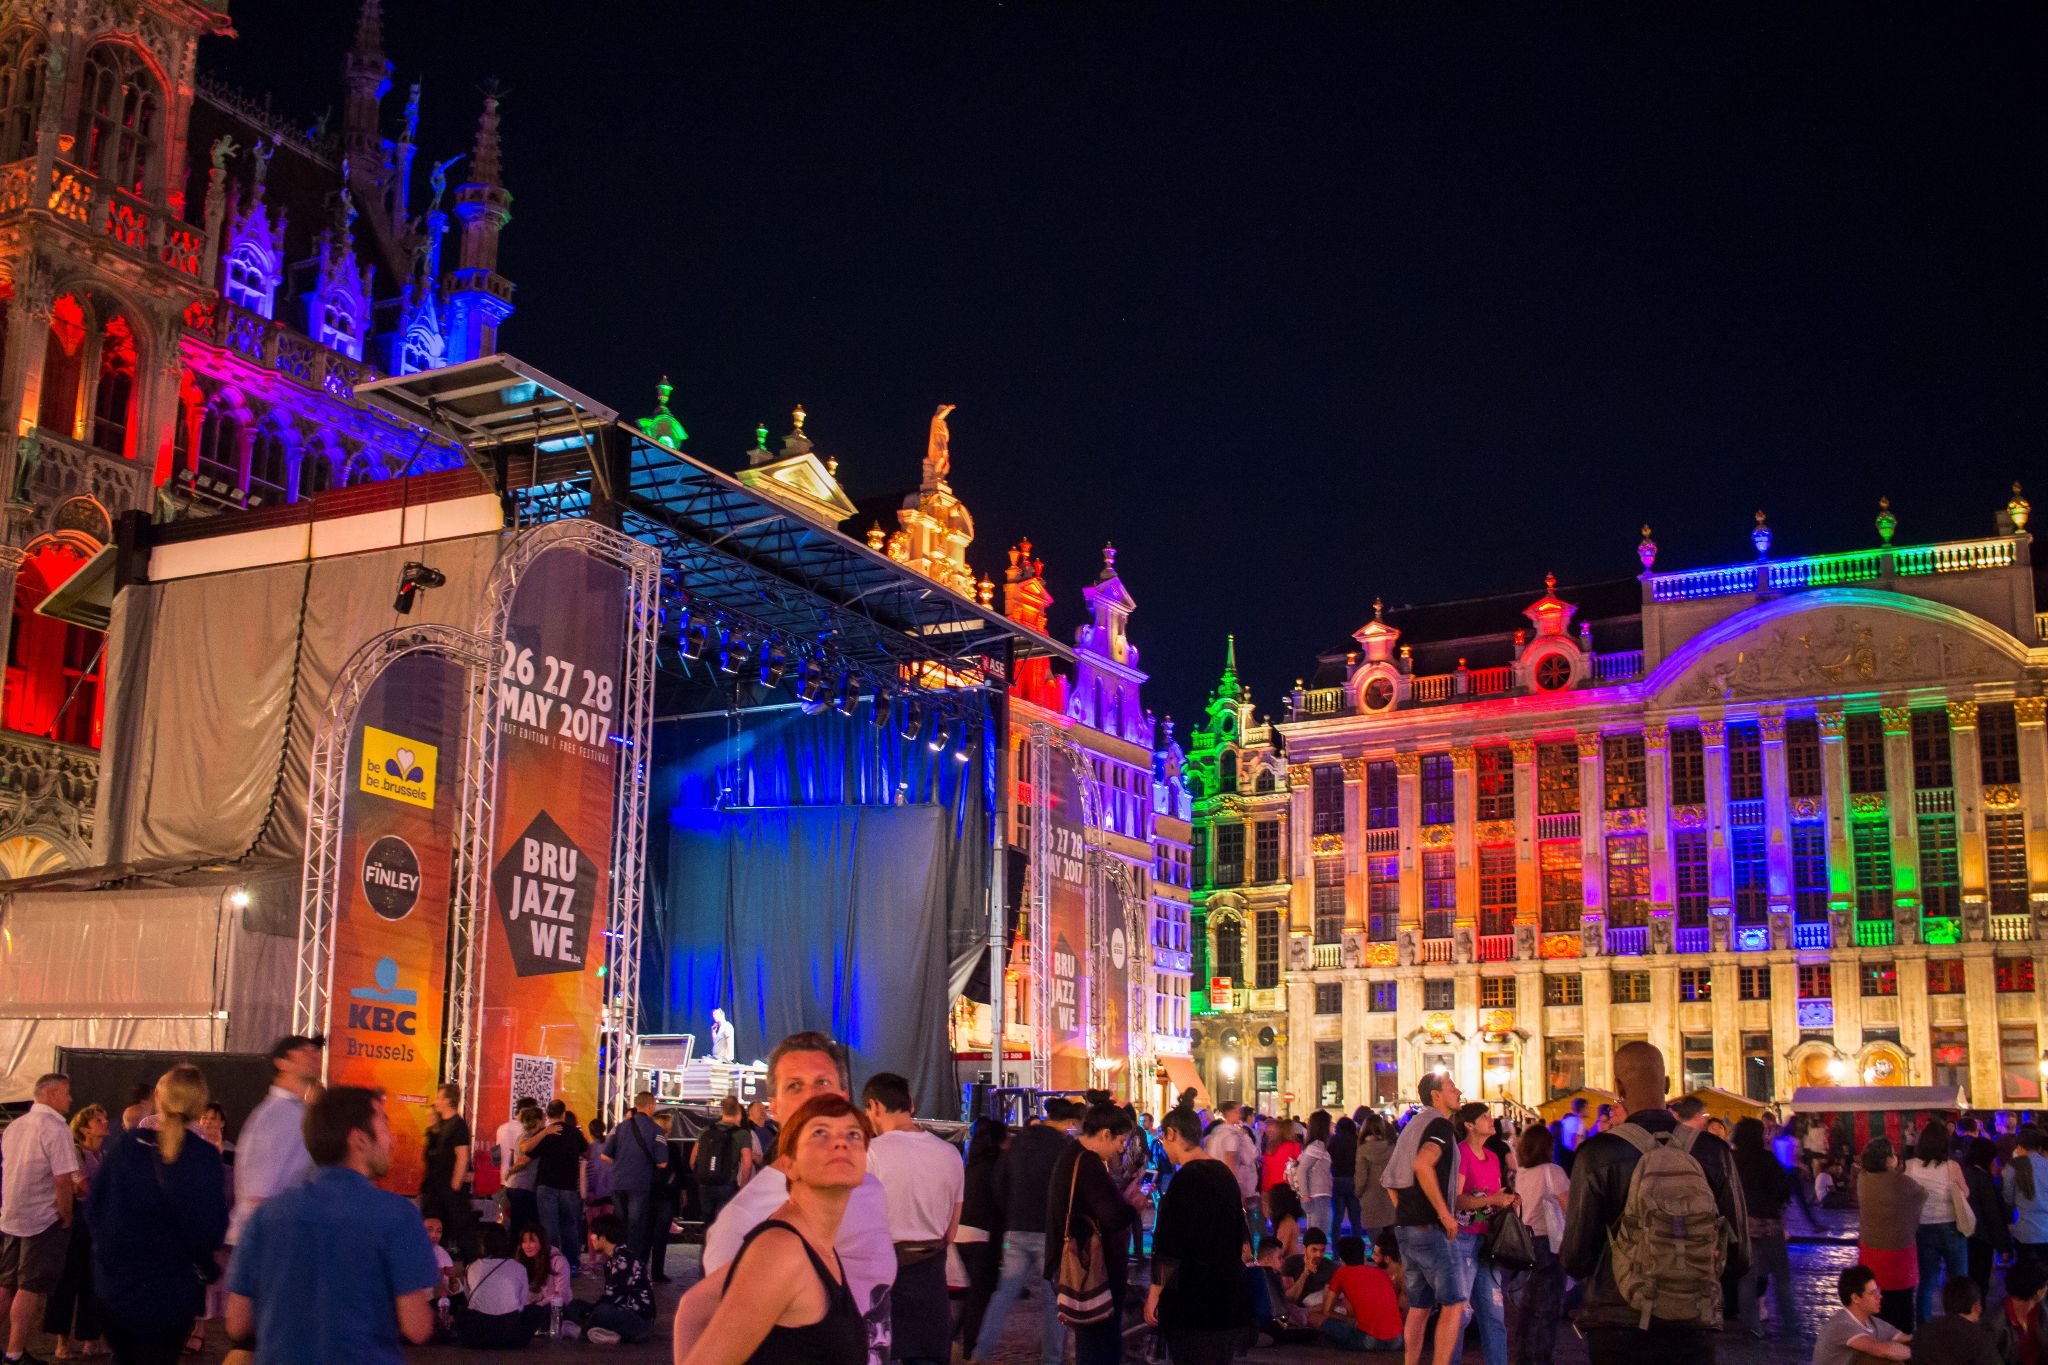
(365, 78)
(370, 30)
(485, 167)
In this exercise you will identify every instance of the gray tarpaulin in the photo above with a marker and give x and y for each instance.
(203, 673)
(176, 968)
(812, 917)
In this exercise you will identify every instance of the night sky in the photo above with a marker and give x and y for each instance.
(1298, 305)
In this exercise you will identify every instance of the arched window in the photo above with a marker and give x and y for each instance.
(1265, 782)
(316, 472)
(54, 670)
(184, 426)
(270, 463)
(1230, 950)
(120, 117)
(248, 279)
(1226, 770)
(220, 445)
(420, 352)
(63, 368)
(24, 57)
(338, 325)
(113, 403)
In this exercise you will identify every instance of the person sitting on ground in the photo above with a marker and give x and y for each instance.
(1283, 1323)
(547, 1274)
(1856, 1335)
(495, 1317)
(781, 1301)
(1309, 1274)
(2017, 1332)
(624, 1310)
(448, 1293)
(1958, 1336)
(1359, 1311)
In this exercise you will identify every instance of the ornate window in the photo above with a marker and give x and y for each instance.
(1497, 890)
(1688, 768)
(1932, 764)
(1872, 844)
(1329, 900)
(1863, 733)
(220, 445)
(113, 404)
(270, 464)
(1622, 772)
(1495, 785)
(251, 281)
(2005, 862)
(1752, 894)
(24, 58)
(1439, 892)
(1264, 784)
(1226, 771)
(1557, 778)
(1802, 758)
(1266, 851)
(1382, 795)
(1230, 949)
(1326, 799)
(1564, 897)
(120, 118)
(63, 368)
(1229, 869)
(1439, 804)
(1998, 744)
(1628, 880)
(1745, 762)
(1689, 872)
(1940, 876)
(1810, 873)
(54, 669)
(337, 327)
(1382, 898)
(1266, 971)
(1553, 672)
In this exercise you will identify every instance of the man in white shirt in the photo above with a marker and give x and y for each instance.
(1233, 1144)
(38, 1161)
(924, 1179)
(802, 1065)
(1857, 1335)
(509, 1135)
(270, 1153)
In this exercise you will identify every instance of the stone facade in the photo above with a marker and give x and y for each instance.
(1785, 819)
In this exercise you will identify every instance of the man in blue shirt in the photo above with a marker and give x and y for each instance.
(636, 1150)
(335, 1269)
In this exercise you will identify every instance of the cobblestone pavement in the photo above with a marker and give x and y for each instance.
(1814, 1267)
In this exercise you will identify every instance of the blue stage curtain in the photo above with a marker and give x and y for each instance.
(825, 918)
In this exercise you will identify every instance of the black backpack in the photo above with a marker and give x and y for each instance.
(716, 1161)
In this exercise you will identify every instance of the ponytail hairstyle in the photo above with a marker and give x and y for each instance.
(180, 1101)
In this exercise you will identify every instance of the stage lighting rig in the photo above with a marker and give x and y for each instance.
(411, 579)
(963, 743)
(885, 705)
(847, 700)
(738, 652)
(913, 719)
(695, 639)
(941, 736)
(811, 687)
(774, 664)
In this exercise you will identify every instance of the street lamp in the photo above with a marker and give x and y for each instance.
(1228, 1066)
(1838, 1070)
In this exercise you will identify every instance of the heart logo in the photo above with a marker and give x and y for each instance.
(404, 757)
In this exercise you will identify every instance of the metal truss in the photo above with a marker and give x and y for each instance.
(621, 1011)
(327, 779)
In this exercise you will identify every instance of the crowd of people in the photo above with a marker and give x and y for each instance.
(840, 1231)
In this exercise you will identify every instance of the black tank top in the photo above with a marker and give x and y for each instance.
(838, 1338)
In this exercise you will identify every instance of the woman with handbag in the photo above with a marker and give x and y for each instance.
(1482, 1195)
(1946, 1219)
(1542, 1187)
(1087, 1236)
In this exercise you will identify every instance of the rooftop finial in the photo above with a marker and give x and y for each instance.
(661, 392)
(486, 166)
(760, 436)
(1378, 605)
(1886, 522)
(799, 416)
(1550, 585)
(1108, 555)
(2019, 509)
(1230, 656)
(1761, 536)
(1646, 549)
(370, 29)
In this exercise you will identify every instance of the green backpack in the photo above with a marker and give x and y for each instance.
(1671, 1245)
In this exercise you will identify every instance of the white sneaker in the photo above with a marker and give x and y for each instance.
(604, 1336)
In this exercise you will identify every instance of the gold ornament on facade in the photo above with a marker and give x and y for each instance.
(1437, 1026)
(1381, 955)
(1589, 745)
(1297, 774)
(1438, 836)
(1962, 715)
(1408, 764)
(1522, 750)
(1326, 843)
(1713, 730)
(1833, 724)
(1354, 769)
(1494, 832)
(1688, 817)
(1560, 945)
(2002, 797)
(1461, 759)
(1898, 720)
(2019, 509)
(2030, 710)
(1771, 727)
(1805, 808)
(1497, 1021)
(1656, 739)
(1866, 803)
(1625, 821)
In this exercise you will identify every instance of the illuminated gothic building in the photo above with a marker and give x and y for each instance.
(1242, 822)
(1787, 819)
(190, 288)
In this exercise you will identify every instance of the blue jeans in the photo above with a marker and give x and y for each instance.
(1436, 1276)
(636, 1210)
(1023, 1266)
(558, 1217)
(1940, 1246)
(1344, 1203)
(1345, 1336)
(630, 1326)
(1769, 1260)
(1320, 1211)
(1484, 1298)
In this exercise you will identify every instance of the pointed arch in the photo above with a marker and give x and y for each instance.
(251, 277)
(63, 367)
(223, 434)
(24, 60)
(272, 453)
(55, 670)
(120, 118)
(113, 406)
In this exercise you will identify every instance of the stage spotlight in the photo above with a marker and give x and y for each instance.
(963, 744)
(239, 898)
(913, 719)
(847, 701)
(774, 664)
(738, 652)
(811, 687)
(941, 736)
(411, 579)
(695, 639)
(885, 705)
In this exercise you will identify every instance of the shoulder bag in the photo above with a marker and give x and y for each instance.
(1082, 1291)
(1507, 1242)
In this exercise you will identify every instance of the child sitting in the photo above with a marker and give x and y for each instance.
(624, 1311)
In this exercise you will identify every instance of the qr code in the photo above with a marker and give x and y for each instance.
(533, 1078)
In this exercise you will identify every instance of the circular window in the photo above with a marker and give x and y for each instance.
(1554, 672)
(1267, 1037)
(1379, 694)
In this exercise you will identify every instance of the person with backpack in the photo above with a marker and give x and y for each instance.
(715, 1164)
(1311, 1176)
(1654, 1220)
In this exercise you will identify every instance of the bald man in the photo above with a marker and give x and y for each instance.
(1600, 1178)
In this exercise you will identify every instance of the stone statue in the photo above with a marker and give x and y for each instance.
(1465, 944)
(223, 148)
(1660, 933)
(1300, 954)
(318, 132)
(412, 113)
(28, 461)
(437, 179)
(1407, 948)
(938, 453)
(1590, 940)
(1525, 942)
(1354, 950)
(262, 152)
